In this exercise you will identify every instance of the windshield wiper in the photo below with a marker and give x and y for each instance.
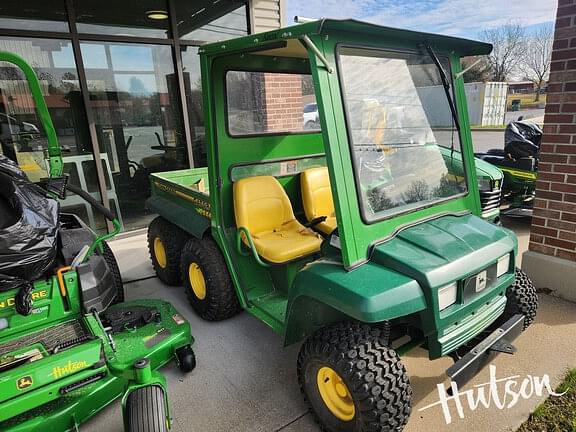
(445, 84)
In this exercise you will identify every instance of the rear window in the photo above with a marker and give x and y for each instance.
(260, 103)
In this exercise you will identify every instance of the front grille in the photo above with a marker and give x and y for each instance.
(470, 289)
(50, 337)
(461, 332)
(490, 200)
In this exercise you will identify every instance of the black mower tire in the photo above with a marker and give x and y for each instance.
(186, 358)
(110, 259)
(521, 299)
(376, 380)
(173, 239)
(146, 410)
(220, 300)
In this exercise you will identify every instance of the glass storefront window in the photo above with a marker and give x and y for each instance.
(33, 15)
(199, 23)
(134, 98)
(193, 92)
(144, 18)
(22, 136)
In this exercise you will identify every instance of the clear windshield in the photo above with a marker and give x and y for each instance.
(400, 126)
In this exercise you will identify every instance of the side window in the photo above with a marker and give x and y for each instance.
(22, 137)
(264, 103)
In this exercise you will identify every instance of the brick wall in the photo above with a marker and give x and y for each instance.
(283, 102)
(554, 222)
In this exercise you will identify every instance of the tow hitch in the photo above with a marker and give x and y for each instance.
(499, 341)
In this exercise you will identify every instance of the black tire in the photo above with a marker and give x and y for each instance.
(186, 358)
(146, 410)
(172, 239)
(220, 300)
(521, 299)
(110, 259)
(376, 380)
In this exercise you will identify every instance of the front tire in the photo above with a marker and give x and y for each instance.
(352, 381)
(521, 299)
(165, 243)
(146, 410)
(186, 359)
(208, 284)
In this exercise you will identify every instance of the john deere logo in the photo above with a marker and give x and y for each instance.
(24, 382)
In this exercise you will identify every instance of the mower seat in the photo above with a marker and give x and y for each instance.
(262, 206)
(317, 198)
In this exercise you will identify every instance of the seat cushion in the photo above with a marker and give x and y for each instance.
(287, 243)
(262, 206)
(328, 225)
(317, 197)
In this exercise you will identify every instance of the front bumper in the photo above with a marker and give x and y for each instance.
(498, 341)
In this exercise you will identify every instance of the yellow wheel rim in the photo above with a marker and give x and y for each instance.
(160, 253)
(197, 281)
(335, 394)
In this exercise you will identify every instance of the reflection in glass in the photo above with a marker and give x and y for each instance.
(125, 18)
(403, 136)
(196, 22)
(33, 15)
(22, 136)
(134, 97)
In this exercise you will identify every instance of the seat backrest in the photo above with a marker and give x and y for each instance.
(261, 204)
(316, 193)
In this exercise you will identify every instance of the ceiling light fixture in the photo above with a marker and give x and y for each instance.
(157, 15)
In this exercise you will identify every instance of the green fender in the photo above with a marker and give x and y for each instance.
(185, 218)
(324, 292)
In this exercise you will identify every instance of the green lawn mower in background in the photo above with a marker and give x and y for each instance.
(69, 343)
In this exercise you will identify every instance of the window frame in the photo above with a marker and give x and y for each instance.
(357, 184)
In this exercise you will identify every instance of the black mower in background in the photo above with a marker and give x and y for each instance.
(519, 163)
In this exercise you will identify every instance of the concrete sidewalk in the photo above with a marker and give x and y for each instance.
(246, 381)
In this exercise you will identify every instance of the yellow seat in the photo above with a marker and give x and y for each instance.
(317, 198)
(263, 208)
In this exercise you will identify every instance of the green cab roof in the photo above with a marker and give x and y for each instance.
(462, 47)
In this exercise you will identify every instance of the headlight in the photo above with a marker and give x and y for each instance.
(447, 295)
(484, 184)
(503, 265)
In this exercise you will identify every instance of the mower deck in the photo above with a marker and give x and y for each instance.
(77, 370)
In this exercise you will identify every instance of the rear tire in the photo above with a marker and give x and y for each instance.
(110, 259)
(146, 410)
(352, 381)
(165, 243)
(208, 284)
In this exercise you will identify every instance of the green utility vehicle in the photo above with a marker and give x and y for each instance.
(362, 238)
(69, 343)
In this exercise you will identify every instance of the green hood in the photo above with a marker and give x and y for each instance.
(446, 249)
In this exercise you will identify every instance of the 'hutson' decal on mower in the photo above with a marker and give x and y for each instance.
(70, 367)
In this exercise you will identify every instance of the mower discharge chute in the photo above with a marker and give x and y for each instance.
(69, 343)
